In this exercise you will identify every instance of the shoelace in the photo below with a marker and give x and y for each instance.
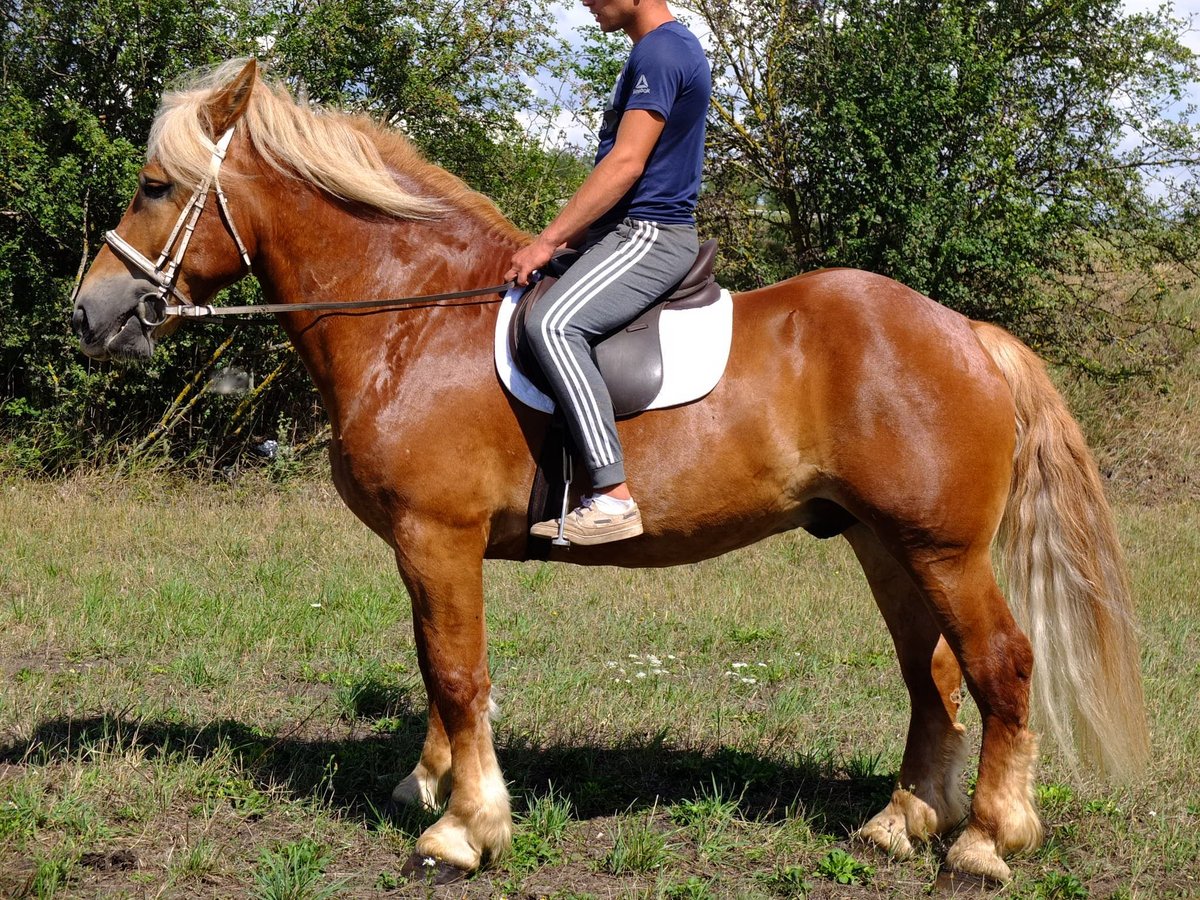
(585, 504)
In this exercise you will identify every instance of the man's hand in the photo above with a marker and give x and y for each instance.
(530, 257)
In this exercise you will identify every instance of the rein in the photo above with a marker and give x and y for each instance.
(164, 272)
(192, 311)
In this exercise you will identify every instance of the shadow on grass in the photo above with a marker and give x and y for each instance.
(356, 773)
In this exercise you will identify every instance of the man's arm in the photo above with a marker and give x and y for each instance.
(601, 190)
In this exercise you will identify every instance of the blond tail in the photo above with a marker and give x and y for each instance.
(1066, 576)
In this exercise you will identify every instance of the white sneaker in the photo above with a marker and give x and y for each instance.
(588, 525)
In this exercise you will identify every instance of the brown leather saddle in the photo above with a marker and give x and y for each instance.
(629, 359)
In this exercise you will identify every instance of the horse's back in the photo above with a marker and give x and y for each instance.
(859, 322)
(860, 302)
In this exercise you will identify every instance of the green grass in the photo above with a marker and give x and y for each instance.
(540, 832)
(709, 817)
(841, 867)
(294, 871)
(51, 874)
(638, 846)
(222, 681)
(195, 862)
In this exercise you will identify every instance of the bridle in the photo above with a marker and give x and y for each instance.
(165, 271)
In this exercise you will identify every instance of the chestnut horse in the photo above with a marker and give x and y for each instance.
(850, 404)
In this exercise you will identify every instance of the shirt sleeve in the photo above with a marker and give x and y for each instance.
(656, 77)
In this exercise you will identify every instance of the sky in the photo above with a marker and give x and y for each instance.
(572, 14)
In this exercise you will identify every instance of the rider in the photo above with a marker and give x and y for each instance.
(633, 218)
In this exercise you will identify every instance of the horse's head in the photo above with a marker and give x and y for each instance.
(177, 243)
(306, 188)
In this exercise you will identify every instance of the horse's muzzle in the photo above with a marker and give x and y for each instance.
(114, 318)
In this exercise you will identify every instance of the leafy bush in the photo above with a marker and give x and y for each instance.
(81, 84)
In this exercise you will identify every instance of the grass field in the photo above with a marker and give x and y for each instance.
(210, 692)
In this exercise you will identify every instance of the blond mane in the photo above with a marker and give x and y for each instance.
(345, 155)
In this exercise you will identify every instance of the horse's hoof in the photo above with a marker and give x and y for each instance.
(974, 853)
(431, 870)
(887, 832)
(417, 793)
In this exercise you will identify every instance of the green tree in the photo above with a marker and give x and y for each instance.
(1006, 158)
(81, 82)
(452, 75)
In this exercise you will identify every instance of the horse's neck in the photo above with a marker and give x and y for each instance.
(331, 253)
(336, 255)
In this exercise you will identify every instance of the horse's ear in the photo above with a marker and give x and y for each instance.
(228, 106)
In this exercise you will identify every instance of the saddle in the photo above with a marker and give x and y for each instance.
(630, 359)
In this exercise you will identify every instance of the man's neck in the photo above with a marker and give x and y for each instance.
(648, 22)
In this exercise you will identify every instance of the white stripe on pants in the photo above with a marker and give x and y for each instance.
(555, 338)
(624, 270)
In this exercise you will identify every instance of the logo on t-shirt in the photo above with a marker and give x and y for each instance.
(642, 86)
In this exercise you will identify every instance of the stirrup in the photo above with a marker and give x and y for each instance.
(567, 472)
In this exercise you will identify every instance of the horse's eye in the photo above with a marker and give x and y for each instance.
(155, 190)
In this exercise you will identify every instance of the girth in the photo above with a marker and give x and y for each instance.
(629, 359)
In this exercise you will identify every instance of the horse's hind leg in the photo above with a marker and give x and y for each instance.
(929, 798)
(997, 662)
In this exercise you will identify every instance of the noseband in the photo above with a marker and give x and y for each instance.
(165, 272)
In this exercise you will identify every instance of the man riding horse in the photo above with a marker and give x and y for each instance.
(633, 218)
(850, 405)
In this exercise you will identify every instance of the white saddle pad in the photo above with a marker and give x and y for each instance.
(695, 348)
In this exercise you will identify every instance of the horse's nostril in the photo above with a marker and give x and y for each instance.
(78, 321)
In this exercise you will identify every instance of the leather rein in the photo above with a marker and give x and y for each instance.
(165, 271)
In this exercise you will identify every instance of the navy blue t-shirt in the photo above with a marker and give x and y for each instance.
(667, 72)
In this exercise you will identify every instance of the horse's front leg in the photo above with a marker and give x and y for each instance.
(442, 568)
(428, 784)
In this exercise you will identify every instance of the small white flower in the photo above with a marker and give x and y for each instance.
(658, 671)
(750, 680)
(740, 665)
(634, 656)
(671, 656)
(640, 675)
(428, 861)
(653, 660)
(762, 665)
(315, 605)
(611, 664)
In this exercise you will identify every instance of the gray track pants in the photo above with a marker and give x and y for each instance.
(620, 273)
